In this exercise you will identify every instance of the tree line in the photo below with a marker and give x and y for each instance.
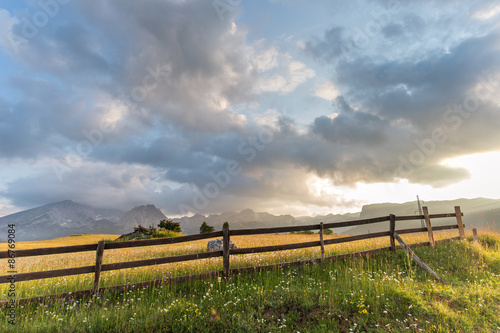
(169, 225)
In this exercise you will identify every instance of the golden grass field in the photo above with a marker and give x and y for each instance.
(118, 277)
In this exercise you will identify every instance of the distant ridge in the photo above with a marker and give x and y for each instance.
(245, 219)
(478, 212)
(409, 208)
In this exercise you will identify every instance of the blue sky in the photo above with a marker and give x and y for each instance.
(280, 106)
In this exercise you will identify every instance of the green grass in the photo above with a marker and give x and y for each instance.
(385, 292)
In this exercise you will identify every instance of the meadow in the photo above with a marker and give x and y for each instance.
(383, 292)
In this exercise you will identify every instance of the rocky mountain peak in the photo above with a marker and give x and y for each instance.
(145, 215)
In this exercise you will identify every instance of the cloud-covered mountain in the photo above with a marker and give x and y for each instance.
(67, 217)
(146, 215)
(61, 219)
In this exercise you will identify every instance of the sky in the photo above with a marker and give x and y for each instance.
(286, 106)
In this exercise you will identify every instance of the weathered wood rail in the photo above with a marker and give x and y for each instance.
(226, 253)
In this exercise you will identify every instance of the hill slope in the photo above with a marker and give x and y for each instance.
(478, 212)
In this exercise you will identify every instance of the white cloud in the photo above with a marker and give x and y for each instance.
(269, 118)
(267, 60)
(286, 78)
(486, 14)
(277, 71)
(326, 91)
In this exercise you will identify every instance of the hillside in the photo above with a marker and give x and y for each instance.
(478, 212)
(410, 208)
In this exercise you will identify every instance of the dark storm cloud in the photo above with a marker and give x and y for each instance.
(347, 130)
(392, 30)
(330, 47)
(421, 91)
(351, 127)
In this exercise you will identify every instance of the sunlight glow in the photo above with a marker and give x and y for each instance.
(484, 182)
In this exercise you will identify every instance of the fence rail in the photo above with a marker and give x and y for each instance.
(226, 251)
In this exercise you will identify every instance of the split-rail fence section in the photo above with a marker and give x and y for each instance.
(226, 253)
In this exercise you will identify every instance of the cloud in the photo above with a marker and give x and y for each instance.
(278, 72)
(205, 58)
(326, 90)
(392, 30)
(97, 183)
(332, 46)
(151, 102)
(400, 102)
(486, 14)
(351, 129)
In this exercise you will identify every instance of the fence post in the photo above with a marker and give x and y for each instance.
(458, 214)
(429, 226)
(98, 265)
(392, 229)
(322, 243)
(474, 233)
(225, 249)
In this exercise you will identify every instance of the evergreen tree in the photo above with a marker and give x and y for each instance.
(205, 228)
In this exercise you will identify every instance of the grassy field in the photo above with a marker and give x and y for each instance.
(383, 293)
(64, 241)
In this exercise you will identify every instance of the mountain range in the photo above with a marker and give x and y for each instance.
(68, 217)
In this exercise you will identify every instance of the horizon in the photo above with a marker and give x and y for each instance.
(286, 107)
(248, 208)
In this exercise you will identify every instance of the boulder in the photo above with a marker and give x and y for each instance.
(216, 245)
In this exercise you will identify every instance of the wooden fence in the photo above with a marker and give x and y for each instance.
(226, 252)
